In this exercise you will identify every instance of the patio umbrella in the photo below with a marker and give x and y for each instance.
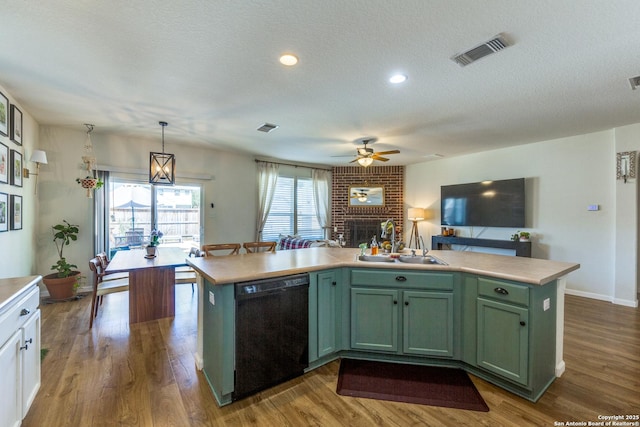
(131, 196)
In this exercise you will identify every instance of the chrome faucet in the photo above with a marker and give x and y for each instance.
(384, 234)
(424, 248)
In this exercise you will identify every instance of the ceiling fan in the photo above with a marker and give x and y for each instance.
(366, 155)
(359, 194)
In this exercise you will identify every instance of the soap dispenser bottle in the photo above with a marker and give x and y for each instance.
(374, 246)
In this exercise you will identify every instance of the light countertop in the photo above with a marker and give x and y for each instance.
(238, 268)
(11, 289)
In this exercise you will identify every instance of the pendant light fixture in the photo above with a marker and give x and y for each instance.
(162, 167)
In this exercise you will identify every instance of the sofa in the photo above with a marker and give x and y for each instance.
(297, 242)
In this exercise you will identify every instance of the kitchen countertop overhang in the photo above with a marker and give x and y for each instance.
(220, 270)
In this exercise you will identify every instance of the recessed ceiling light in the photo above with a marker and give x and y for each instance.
(398, 78)
(288, 59)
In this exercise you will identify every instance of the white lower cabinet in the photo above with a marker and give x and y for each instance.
(10, 378)
(19, 357)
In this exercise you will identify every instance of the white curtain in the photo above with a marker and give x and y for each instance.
(267, 179)
(321, 197)
(101, 214)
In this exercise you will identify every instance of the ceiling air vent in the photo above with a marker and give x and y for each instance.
(267, 127)
(494, 45)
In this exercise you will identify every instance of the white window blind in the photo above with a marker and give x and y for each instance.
(293, 210)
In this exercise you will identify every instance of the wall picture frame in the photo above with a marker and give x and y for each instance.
(16, 212)
(366, 196)
(4, 115)
(16, 125)
(4, 212)
(16, 168)
(4, 164)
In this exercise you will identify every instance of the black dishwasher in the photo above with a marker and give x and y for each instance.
(272, 332)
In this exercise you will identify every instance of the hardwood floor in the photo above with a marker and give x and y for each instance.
(144, 375)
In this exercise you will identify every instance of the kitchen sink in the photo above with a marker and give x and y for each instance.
(411, 259)
(376, 258)
(408, 259)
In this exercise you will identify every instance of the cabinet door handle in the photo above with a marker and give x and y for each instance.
(501, 291)
(406, 303)
(24, 312)
(522, 323)
(401, 279)
(25, 347)
(395, 302)
(334, 283)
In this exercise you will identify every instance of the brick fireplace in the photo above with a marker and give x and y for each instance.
(359, 223)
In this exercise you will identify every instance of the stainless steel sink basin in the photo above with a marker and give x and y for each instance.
(410, 259)
(376, 258)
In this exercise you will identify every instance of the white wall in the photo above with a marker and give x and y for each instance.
(17, 247)
(232, 188)
(626, 235)
(563, 177)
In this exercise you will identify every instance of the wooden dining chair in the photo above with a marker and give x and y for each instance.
(186, 274)
(253, 247)
(103, 287)
(104, 261)
(209, 250)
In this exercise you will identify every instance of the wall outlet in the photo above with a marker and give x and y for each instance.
(212, 298)
(546, 304)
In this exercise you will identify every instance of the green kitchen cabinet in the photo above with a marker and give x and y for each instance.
(329, 286)
(427, 323)
(403, 312)
(511, 329)
(374, 319)
(503, 339)
(326, 311)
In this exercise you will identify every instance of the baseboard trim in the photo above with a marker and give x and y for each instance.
(600, 297)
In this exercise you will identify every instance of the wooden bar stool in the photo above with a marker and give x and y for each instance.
(253, 247)
(209, 250)
(187, 274)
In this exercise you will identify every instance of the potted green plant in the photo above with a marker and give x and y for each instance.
(90, 183)
(154, 241)
(524, 236)
(64, 283)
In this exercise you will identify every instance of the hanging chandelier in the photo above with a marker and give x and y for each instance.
(162, 166)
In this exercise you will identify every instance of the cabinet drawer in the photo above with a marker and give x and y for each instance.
(13, 318)
(402, 278)
(503, 291)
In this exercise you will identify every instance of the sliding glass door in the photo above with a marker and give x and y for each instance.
(134, 209)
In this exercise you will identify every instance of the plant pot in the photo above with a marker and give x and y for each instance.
(89, 184)
(61, 288)
(151, 251)
(524, 239)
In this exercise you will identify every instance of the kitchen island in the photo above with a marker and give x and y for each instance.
(475, 296)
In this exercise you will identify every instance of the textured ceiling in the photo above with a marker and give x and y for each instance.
(210, 69)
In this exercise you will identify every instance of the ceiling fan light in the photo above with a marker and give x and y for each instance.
(365, 161)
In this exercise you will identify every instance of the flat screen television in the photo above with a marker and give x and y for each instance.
(485, 204)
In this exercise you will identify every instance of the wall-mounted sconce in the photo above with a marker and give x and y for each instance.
(162, 167)
(626, 165)
(38, 157)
